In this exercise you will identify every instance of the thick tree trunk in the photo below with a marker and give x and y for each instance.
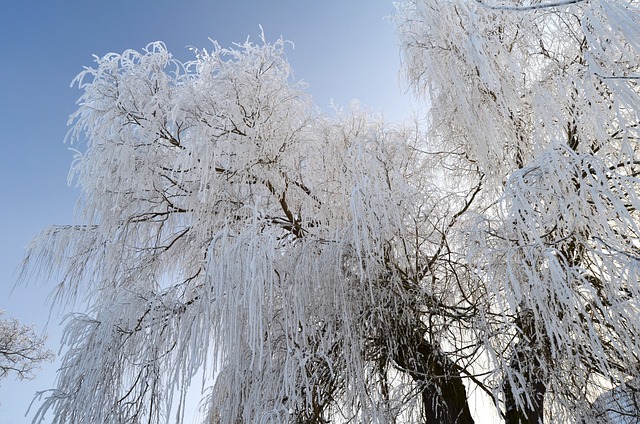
(444, 397)
(531, 411)
(526, 362)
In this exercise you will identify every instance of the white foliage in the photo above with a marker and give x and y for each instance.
(503, 85)
(543, 98)
(21, 349)
(567, 254)
(230, 229)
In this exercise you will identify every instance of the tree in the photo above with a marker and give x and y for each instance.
(337, 268)
(543, 98)
(232, 229)
(21, 349)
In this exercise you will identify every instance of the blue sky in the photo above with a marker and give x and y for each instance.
(344, 49)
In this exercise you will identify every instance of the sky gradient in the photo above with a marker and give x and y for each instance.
(343, 49)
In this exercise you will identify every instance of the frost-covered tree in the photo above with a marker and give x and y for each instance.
(229, 230)
(543, 100)
(21, 349)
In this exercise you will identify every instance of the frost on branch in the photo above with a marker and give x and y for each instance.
(503, 84)
(542, 98)
(21, 349)
(563, 266)
(230, 229)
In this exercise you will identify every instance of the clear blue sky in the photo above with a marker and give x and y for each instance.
(344, 49)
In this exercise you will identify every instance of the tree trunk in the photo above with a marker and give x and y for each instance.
(444, 397)
(526, 362)
(523, 411)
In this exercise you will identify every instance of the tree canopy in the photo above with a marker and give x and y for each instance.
(332, 267)
(543, 98)
(21, 349)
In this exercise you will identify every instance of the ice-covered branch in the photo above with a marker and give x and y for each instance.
(534, 6)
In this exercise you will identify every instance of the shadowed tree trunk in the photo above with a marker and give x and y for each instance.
(526, 362)
(529, 412)
(444, 397)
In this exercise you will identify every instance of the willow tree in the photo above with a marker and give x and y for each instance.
(229, 230)
(543, 100)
